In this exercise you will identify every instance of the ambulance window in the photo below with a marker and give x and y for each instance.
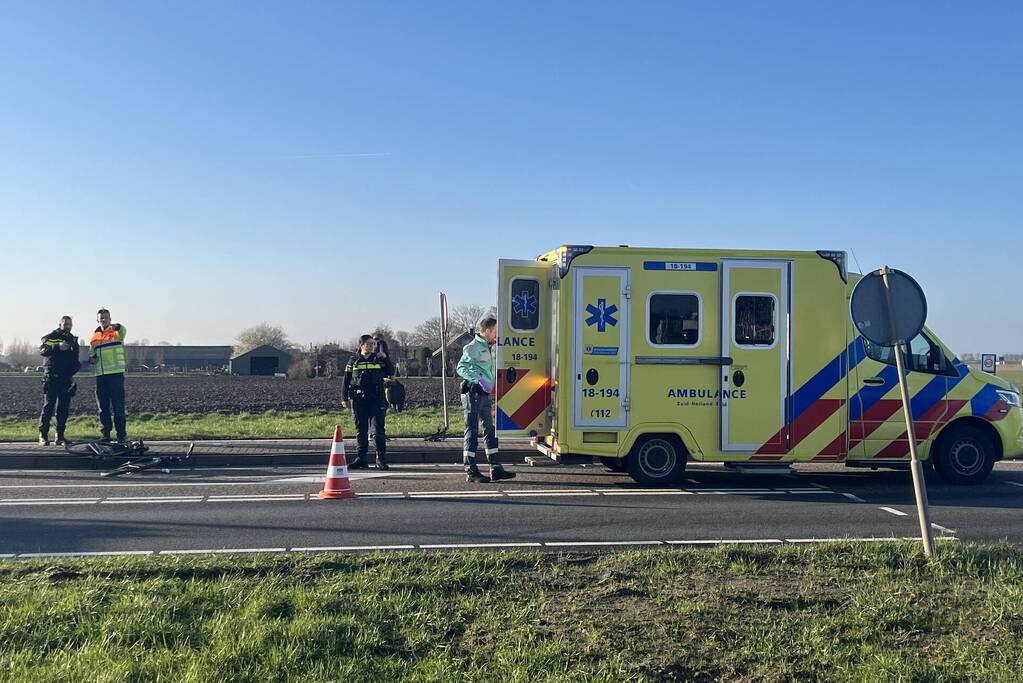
(754, 320)
(524, 304)
(673, 319)
(923, 355)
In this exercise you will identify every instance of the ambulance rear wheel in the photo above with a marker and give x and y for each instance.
(613, 464)
(657, 460)
(965, 456)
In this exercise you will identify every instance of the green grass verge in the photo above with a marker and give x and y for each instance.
(272, 424)
(842, 612)
(1012, 373)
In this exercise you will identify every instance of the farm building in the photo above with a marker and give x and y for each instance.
(170, 358)
(262, 360)
(453, 352)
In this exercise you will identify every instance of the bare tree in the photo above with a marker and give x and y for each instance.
(427, 333)
(467, 317)
(23, 354)
(263, 333)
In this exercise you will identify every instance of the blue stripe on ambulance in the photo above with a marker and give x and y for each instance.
(984, 400)
(825, 379)
(867, 397)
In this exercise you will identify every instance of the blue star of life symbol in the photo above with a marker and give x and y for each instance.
(524, 304)
(602, 315)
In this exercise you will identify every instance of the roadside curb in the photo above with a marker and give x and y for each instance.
(225, 453)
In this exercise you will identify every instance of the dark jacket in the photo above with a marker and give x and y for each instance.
(365, 376)
(60, 363)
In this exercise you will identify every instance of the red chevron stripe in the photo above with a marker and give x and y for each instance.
(996, 412)
(503, 386)
(928, 424)
(834, 450)
(871, 420)
(804, 425)
(533, 406)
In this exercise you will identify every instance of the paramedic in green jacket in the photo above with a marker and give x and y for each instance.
(477, 368)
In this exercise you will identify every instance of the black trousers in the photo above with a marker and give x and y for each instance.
(477, 406)
(366, 410)
(56, 395)
(110, 401)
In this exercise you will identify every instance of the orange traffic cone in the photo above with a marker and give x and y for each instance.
(337, 485)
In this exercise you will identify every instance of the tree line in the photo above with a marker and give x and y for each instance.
(410, 351)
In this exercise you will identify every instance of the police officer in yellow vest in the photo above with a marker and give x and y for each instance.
(363, 390)
(106, 353)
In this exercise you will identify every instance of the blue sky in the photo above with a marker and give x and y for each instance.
(199, 167)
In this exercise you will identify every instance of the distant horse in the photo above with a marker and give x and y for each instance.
(394, 394)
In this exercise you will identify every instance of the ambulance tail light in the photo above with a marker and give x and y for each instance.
(838, 258)
(568, 252)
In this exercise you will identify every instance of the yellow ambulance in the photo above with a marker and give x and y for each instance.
(650, 358)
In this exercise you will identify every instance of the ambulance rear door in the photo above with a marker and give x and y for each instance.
(524, 326)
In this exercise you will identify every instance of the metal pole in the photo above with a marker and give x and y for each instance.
(443, 365)
(919, 487)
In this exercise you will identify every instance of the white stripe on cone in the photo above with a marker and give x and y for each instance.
(337, 471)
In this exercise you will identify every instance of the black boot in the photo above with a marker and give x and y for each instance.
(497, 473)
(476, 477)
(382, 464)
(44, 439)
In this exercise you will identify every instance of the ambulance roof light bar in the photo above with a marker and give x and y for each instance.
(838, 258)
(568, 252)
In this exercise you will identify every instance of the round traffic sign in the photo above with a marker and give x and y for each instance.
(870, 312)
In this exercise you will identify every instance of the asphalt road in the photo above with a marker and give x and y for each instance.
(428, 506)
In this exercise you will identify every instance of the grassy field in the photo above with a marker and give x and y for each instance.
(1014, 374)
(841, 612)
(267, 425)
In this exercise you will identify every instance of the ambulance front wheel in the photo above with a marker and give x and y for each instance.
(965, 456)
(657, 460)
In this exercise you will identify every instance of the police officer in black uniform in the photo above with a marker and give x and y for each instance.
(364, 392)
(60, 348)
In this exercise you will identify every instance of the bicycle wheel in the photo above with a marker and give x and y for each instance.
(87, 448)
(134, 466)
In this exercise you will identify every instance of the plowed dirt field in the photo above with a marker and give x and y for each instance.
(22, 396)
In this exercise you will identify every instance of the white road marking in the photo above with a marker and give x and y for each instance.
(1014, 483)
(207, 551)
(56, 502)
(854, 498)
(558, 544)
(941, 528)
(343, 548)
(392, 495)
(898, 513)
(459, 546)
(865, 538)
(480, 545)
(645, 493)
(519, 494)
(723, 541)
(310, 479)
(159, 499)
(253, 499)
